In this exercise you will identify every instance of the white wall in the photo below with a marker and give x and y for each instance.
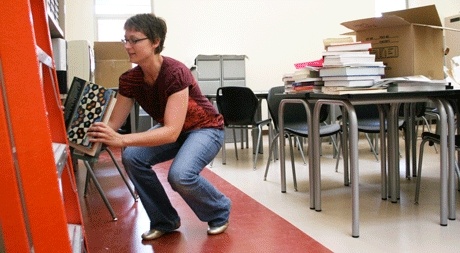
(274, 34)
(79, 17)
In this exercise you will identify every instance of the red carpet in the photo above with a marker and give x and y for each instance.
(253, 227)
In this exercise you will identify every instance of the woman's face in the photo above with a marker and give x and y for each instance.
(138, 46)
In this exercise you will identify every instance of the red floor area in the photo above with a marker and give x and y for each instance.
(253, 227)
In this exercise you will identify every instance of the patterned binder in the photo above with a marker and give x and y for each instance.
(94, 105)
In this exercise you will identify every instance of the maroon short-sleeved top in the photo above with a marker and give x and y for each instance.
(174, 76)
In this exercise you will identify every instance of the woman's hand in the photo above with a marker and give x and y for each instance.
(101, 132)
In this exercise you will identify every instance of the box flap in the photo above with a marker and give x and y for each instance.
(374, 23)
(427, 15)
(109, 51)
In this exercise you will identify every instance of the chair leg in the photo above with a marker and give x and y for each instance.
(334, 144)
(272, 147)
(346, 178)
(339, 151)
(224, 151)
(372, 147)
(291, 149)
(457, 170)
(419, 173)
(135, 196)
(89, 170)
(259, 140)
(87, 180)
(234, 142)
(299, 144)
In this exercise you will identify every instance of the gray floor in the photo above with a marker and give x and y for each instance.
(384, 226)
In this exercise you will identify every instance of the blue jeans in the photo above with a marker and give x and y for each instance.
(192, 151)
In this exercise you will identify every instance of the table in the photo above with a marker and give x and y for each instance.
(394, 99)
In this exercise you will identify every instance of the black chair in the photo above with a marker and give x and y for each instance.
(432, 139)
(416, 116)
(295, 124)
(369, 124)
(239, 107)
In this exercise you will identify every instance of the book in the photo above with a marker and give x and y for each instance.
(431, 85)
(348, 90)
(341, 40)
(308, 80)
(401, 87)
(344, 59)
(329, 78)
(353, 46)
(352, 71)
(327, 53)
(305, 73)
(94, 105)
(307, 85)
(417, 82)
(350, 83)
(288, 78)
(355, 64)
(316, 64)
(72, 98)
(306, 88)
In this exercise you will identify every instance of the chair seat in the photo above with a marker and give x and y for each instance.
(373, 125)
(435, 138)
(302, 129)
(257, 123)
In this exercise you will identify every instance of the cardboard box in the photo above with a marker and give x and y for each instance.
(111, 61)
(409, 42)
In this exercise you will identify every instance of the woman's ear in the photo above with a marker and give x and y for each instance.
(156, 43)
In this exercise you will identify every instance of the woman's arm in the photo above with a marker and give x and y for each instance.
(176, 110)
(121, 110)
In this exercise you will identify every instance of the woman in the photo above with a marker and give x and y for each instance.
(189, 130)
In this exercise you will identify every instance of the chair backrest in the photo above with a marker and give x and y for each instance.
(273, 102)
(370, 111)
(238, 105)
(293, 113)
(420, 108)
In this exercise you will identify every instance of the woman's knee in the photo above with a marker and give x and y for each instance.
(128, 156)
(180, 179)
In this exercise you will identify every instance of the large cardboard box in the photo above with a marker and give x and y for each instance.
(111, 61)
(409, 42)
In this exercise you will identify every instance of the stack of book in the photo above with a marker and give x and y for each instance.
(305, 78)
(350, 68)
(288, 80)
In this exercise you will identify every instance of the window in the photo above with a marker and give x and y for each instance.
(112, 14)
